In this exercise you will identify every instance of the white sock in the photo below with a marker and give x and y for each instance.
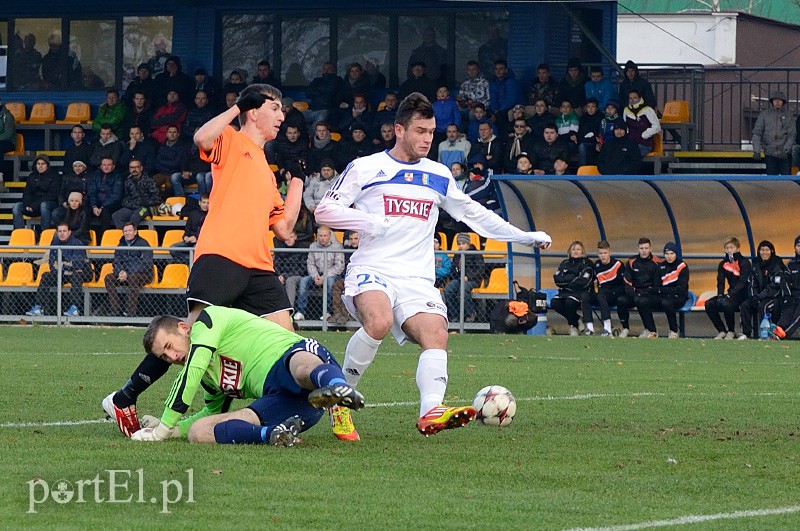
(358, 355)
(607, 325)
(431, 379)
(590, 327)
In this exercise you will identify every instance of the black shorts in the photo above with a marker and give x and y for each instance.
(218, 281)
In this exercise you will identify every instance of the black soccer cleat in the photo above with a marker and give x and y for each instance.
(285, 433)
(336, 395)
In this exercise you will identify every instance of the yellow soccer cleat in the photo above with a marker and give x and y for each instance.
(342, 424)
(444, 418)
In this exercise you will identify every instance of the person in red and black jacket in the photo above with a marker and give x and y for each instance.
(764, 296)
(575, 280)
(640, 290)
(609, 273)
(672, 279)
(734, 269)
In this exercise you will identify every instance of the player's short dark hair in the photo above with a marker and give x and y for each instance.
(161, 322)
(603, 244)
(79, 127)
(204, 196)
(644, 240)
(415, 105)
(62, 224)
(267, 90)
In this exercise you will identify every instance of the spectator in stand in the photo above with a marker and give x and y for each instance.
(386, 140)
(235, 83)
(543, 87)
(516, 112)
(418, 81)
(377, 81)
(106, 146)
(160, 56)
(143, 84)
(26, 62)
(172, 113)
(619, 155)
(774, 133)
(197, 115)
(290, 148)
(106, 188)
(640, 288)
(52, 73)
(77, 217)
(568, 124)
(431, 54)
(442, 262)
(194, 222)
(8, 141)
(112, 112)
(598, 87)
(607, 124)
(642, 122)
(357, 146)
(571, 88)
(355, 82)
(132, 268)
(293, 117)
(523, 166)
(359, 112)
(504, 91)
(634, 81)
(169, 159)
(471, 276)
(474, 89)
(736, 270)
(322, 147)
(386, 114)
(445, 112)
(139, 114)
(765, 290)
(315, 189)
(141, 148)
(672, 278)
(76, 181)
(140, 199)
(589, 127)
(79, 150)
(230, 100)
(790, 314)
(561, 166)
(205, 84)
(540, 118)
(325, 93)
(265, 75)
(198, 170)
(340, 315)
(479, 116)
(323, 268)
(40, 195)
(545, 153)
(478, 185)
(75, 270)
(519, 142)
(291, 267)
(455, 148)
(609, 273)
(575, 280)
(491, 147)
(173, 79)
(495, 47)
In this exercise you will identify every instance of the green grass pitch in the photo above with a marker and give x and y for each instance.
(607, 433)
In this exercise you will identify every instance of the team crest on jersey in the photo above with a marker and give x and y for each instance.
(229, 376)
(409, 176)
(395, 205)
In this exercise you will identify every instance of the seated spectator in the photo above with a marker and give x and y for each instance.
(194, 222)
(474, 89)
(459, 171)
(140, 199)
(141, 84)
(173, 78)
(479, 116)
(491, 147)
(206, 84)
(235, 83)
(265, 75)
(324, 94)
(545, 153)
(515, 113)
(323, 268)
(359, 112)
(619, 155)
(568, 123)
(169, 158)
(765, 286)
(315, 189)
(172, 113)
(523, 165)
(598, 87)
(790, 314)
(340, 314)
(642, 122)
(106, 188)
(588, 130)
(197, 115)
(478, 185)
(470, 277)
(541, 117)
(609, 273)
(348, 150)
(377, 81)
(292, 117)
(75, 270)
(40, 195)
(112, 112)
(106, 146)
(290, 148)
(387, 114)
(610, 117)
(641, 290)
(736, 270)
(455, 148)
(321, 147)
(133, 267)
(504, 91)
(673, 290)
(355, 82)
(76, 216)
(417, 81)
(196, 169)
(386, 139)
(139, 114)
(561, 166)
(79, 150)
(75, 181)
(141, 148)
(291, 267)
(571, 88)
(519, 141)
(444, 266)
(774, 133)
(543, 87)
(575, 280)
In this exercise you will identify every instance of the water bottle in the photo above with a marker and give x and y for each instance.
(764, 328)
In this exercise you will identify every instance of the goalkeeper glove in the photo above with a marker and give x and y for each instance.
(252, 100)
(159, 433)
(541, 239)
(149, 421)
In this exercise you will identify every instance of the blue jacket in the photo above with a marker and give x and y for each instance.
(133, 261)
(106, 190)
(603, 90)
(73, 259)
(446, 112)
(504, 93)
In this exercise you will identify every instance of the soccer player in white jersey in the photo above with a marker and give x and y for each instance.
(389, 283)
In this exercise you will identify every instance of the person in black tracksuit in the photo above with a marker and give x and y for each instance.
(764, 296)
(672, 279)
(640, 290)
(575, 280)
(609, 273)
(790, 315)
(734, 269)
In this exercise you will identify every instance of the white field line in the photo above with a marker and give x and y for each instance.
(694, 519)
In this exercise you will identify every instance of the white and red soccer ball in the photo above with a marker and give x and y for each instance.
(495, 406)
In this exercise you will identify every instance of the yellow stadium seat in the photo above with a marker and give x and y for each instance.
(78, 112)
(442, 240)
(110, 239)
(336, 137)
(44, 268)
(107, 269)
(150, 235)
(19, 147)
(43, 112)
(17, 110)
(658, 146)
(498, 283)
(19, 274)
(588, 170)
(19, 238)
(300, 105)
(496, 246)
(175, 276)
(46, 237)
(676, 112)
(170, 237)
(153, 283)
(92, 237)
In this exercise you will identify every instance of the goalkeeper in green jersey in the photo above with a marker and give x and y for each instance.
(235, 354)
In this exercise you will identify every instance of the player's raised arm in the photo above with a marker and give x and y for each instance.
(205, 137)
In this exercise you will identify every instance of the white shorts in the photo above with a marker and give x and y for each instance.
(408, 296)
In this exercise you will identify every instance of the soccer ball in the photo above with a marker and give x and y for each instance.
(495, 406)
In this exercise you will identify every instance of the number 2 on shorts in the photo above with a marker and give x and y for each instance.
(366, 278)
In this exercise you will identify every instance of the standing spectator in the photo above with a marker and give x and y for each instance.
(640, 289)
(205, 84)
(74, 269)
(8, 139)
(377, 81)
(418, 81)
(235, 83)
(355, 82)
(172, 113)
(107, 145)
(642, 122)
(76, 216)
(323, 268)
(571, 88)
(322, 147)
(491, 147)
(106, 188)
(495, 47)
(634, 81)
(40, 195)
(433, 56)
(575, 280)
(132, 268)
(619, 155)
(519, 142)
(609, 273)
(540, 118)
(445, 112)
(140, 199)
(673, 289)
(764, 293)
(545, 153)
(598, 87)
(290, 148)
(340, 314)
(173, 79)
(544, 87)
(75, 181)
(315, 189)
(504, 90)
(169, 161)
(455, 148)
(790, 314)
(471, 276)
(265, 75)
(324, 93)
(160, 56)
(736, 270)
(112, 112)
(291, 267)
(774, 133)
(442, 262)
(197, 115)
(141, 84)
(26, 62)
(191, 231)
(139, 114)
(589, 127)
(474, 89)
(141, 148)
(386, 114)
